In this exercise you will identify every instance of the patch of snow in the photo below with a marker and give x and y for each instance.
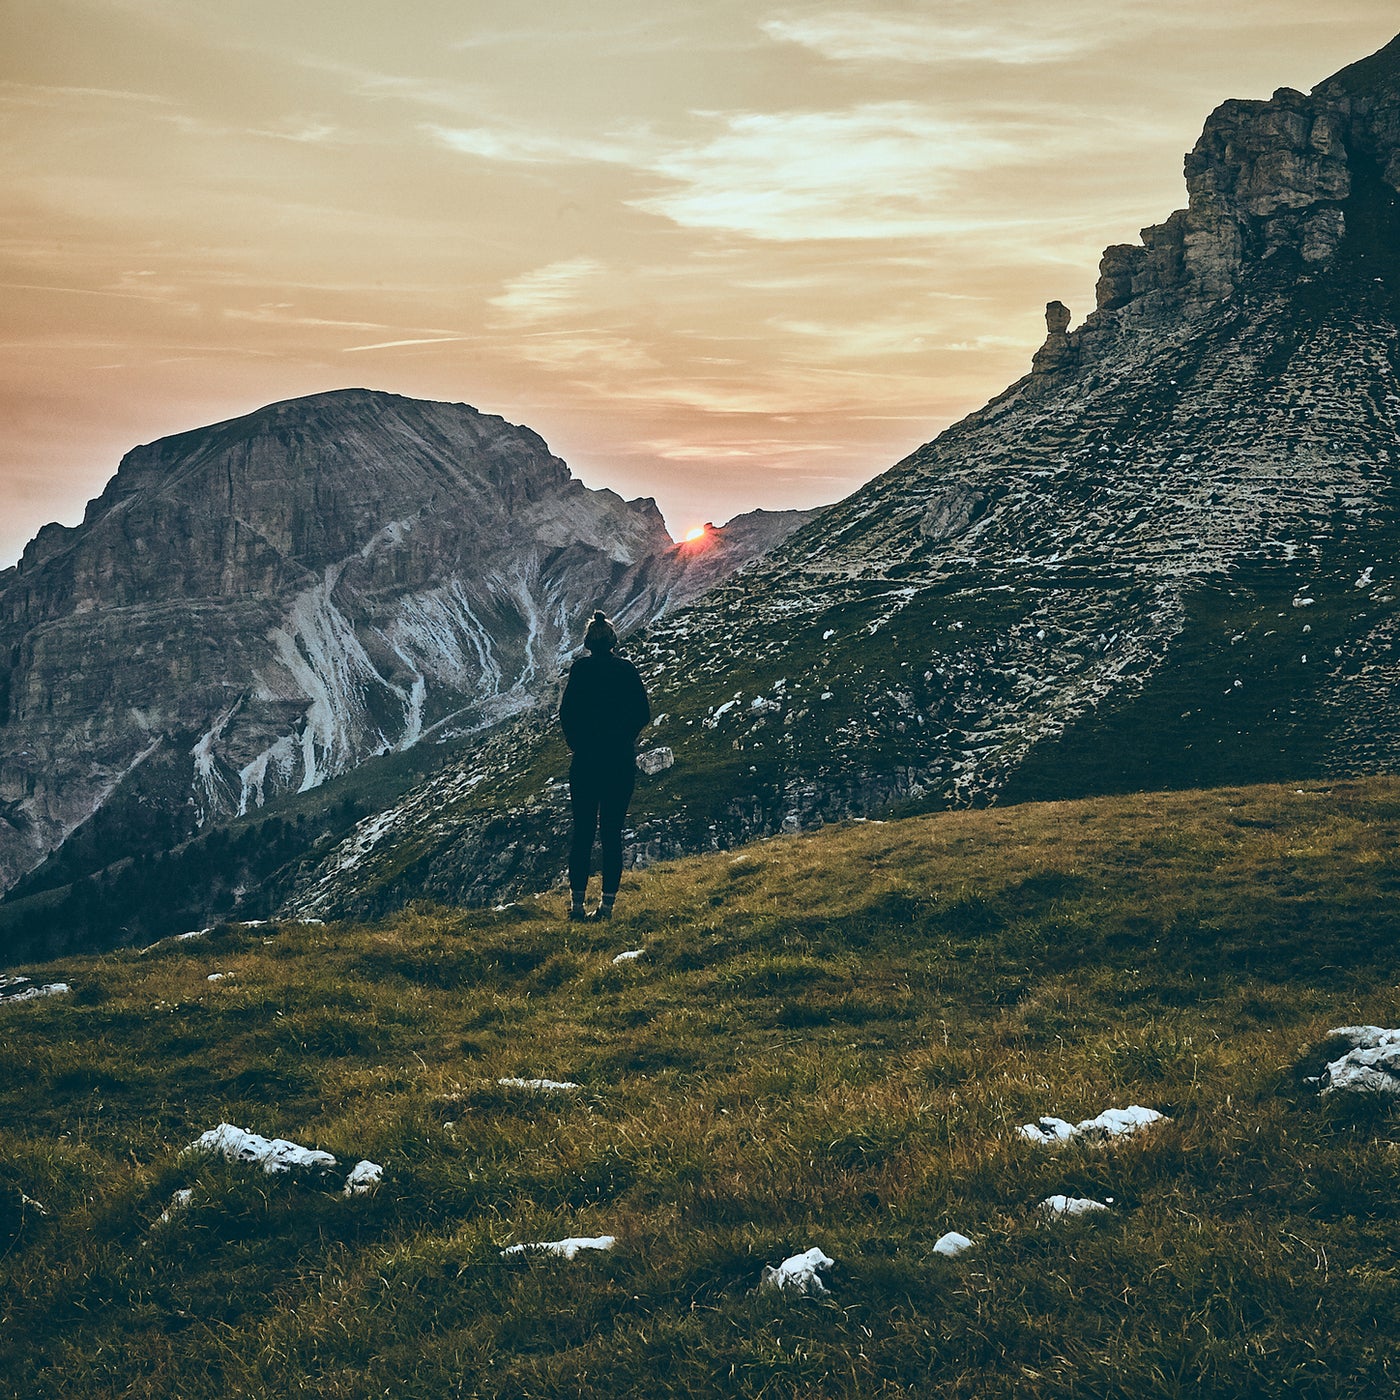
(799, 1273)
(828, 634)
(272, 1154)
(1059, 1206)
(566, 1249)
(1304, 602)
(952, 1243)
(1112, 1122)
(364, 1177)
(544, 1085)
(1365, 580)
(629, 955)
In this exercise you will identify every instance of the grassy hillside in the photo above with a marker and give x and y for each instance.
(829, 1040)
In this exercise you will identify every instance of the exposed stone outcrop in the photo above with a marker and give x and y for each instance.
(258, 606)
(1266, 178)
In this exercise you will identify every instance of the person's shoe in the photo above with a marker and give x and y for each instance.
(578, 914)
(601, 914)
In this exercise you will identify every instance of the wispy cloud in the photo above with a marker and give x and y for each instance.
(959, 33)
(598, 352)
(419, 340)
(520, 146)
(541, 295)
(877, 170)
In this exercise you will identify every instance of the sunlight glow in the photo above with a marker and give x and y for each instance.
(698, 533)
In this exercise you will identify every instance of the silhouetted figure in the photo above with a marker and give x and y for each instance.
(603, 710)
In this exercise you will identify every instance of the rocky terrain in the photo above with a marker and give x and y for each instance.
(1166, 557)
(253, 608)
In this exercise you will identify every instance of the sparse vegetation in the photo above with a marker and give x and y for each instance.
(830, 1041)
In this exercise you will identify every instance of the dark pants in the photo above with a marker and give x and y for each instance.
(600, 792)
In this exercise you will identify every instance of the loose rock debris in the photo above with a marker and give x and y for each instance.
(566, 1249)
(1111, 1123)
(630, 955)
(543, 1085)
(800, 1273)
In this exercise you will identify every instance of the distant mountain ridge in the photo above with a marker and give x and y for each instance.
(251, 608)
(1169, 556)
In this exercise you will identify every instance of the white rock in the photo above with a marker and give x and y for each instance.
(1047, 1129)
(272, 1154)
(800, 1273)
(13, 991)
(546, 1085)
(216, 977)
(566, 1249)
(1366, 1037)
(629, 955)
(656, 760)
(178, 1202)
(952, 1243)
(1058, 1206)
(364, 1177)
(1367, 1069)
(1112, 1122)
(1119, 1122)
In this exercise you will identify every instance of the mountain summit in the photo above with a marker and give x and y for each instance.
(254, 607)
(1166, 557)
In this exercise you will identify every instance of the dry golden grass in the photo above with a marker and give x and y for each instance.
(829, 1040)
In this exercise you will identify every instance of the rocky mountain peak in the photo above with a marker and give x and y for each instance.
(256, 606)
(1275, 180)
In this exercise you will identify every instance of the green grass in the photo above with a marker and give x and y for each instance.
(830, 1041)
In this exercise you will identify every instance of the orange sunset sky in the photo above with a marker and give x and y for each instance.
(724, 254)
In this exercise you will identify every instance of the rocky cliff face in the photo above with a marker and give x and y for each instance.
(1166, 557)
(255, 607)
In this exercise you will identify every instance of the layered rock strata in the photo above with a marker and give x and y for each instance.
(253, 608)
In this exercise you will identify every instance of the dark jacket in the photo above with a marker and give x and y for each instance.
(604, 707)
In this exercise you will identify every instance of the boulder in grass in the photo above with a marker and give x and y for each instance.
(364, 1177)
(655, 761)
(1370, 1066)
(799, 1273)
(1111, 1123)
(272, 1154)
(951, 1244)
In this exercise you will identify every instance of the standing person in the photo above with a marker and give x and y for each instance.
(603, 710)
